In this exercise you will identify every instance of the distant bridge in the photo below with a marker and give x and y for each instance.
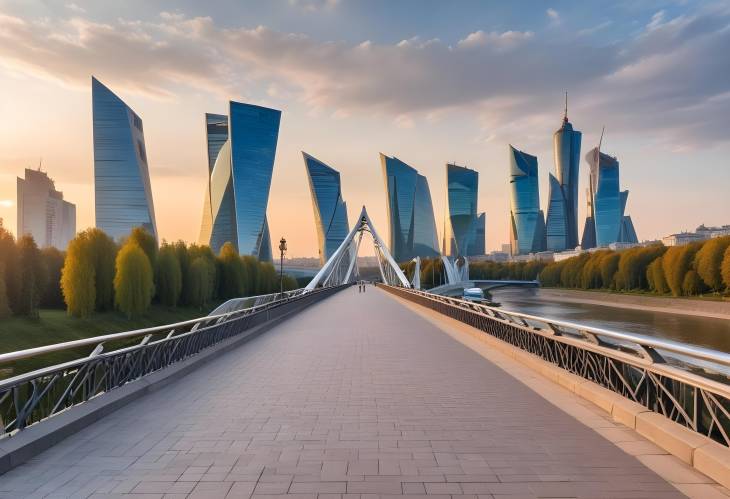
(457, 289)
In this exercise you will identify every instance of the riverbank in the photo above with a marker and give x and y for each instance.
(670, 305)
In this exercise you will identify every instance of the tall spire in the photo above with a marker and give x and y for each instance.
(565, 116)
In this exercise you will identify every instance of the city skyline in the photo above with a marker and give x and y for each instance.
(428, 120)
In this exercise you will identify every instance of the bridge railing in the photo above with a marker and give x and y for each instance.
(29, 398)
(685, 383)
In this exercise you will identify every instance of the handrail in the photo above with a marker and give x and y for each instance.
(697, 352)
(692, 391)
(95, 340)
(29, 398)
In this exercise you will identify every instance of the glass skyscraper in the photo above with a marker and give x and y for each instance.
(330, 210)
(123, 196)
(411, 223)
(463, 234)
(562, 213)
(606, 222)
(527, 221)
(244, 147)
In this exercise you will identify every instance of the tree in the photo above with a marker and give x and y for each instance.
(101, 256)
(609, 267)
(232, 281)
(677, 262)
(252, 274)
(146, 241)
(11, 269)
(655, 276)
(78, 277)
(133, 283)
(725, 268)
(199, 291)
(692, 284)
(52, 295)
(168, 276)
(208, 256)
(33, 277)
(4, 305)
(269, 279)
(290, 283)
(708, 261)
(183, 257)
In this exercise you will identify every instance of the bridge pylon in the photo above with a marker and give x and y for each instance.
(341, 267)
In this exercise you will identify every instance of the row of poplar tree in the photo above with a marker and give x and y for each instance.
(689, 270)
(433, 273)
(96, 274)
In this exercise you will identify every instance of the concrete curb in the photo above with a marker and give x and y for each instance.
(702, 453)
(35, 439)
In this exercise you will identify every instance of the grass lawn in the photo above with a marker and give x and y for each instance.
(55, 326)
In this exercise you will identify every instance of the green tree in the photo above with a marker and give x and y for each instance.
(181, 251)
(195, 251)
(608, 268)
(290, 283)
(101, 256)
(33, 276)
(168, 282)
(725, 268)
(232, 281)
(146, 241)
(252, 275)
(11, 268)
(269, 279)
(692, 284)
(78, 277)
(709, 259)
(52, 295)
(4, 305)
(199, 282)
(133, 281)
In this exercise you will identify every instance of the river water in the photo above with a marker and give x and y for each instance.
(703, 331)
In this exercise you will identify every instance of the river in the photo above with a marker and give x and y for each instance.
(696, 330)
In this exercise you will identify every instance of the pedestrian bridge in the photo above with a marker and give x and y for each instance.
(376, 394)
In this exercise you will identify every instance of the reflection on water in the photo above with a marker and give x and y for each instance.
(704, 331)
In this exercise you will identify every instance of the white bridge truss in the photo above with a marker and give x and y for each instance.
(341, 268)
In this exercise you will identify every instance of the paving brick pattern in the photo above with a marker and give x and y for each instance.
(355, 398)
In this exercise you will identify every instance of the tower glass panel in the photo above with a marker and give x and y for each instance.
(330, 210)
(460, 234)
(244, 145)
(123, 196)
(562, 230)
(412, 227)
(527, 220)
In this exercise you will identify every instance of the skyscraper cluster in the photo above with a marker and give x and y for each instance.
(606, 223)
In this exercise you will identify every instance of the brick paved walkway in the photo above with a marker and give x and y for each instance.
(357, 395)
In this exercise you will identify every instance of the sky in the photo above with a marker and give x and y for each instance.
(427, 81)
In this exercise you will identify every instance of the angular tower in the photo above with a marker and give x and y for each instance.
(123, 196)
(244, 147)
(527, 221)
(411, 223)
(330, 210)
(562, 215)
(606, 222)
(462, 231)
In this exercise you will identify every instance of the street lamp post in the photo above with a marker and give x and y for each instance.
(282, 248)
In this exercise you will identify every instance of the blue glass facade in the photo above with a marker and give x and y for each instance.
(527, 221)
(412, 227)
(330, 210)
(461, 236)
(562, 216)
(606, 204)
(240, 179)
(123, 196)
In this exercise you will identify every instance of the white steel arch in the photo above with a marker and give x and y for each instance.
(341, 267)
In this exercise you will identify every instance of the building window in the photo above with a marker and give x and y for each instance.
(142, 152)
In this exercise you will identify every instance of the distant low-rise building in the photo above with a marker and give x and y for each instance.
(701, 233)
(42, 211)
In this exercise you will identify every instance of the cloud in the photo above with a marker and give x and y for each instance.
(594, 29)
(668, 80)
(553, 15)
(6, 203)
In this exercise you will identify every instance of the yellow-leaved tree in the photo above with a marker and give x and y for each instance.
(78, 277)
(133, 280)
